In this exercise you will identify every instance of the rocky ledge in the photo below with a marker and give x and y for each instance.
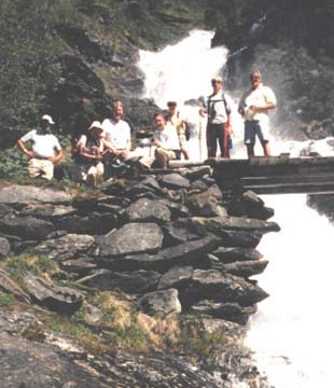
(169, 249)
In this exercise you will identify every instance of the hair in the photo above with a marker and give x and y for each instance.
(255, 72)
(171, 103)
(159, 114)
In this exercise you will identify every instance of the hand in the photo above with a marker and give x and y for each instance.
(30, 154)
(202, 112)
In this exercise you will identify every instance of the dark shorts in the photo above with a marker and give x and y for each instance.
(253, 129)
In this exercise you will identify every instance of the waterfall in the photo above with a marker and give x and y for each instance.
(292, 333)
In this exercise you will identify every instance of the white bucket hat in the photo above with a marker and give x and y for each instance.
(48, 118)
(95, 124)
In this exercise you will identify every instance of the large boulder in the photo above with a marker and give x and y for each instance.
(174, 181)
(160, 303)
(27, 228)
(4, 247)
(138, 282)
(232, 312)
(146, 210)
(133, 238)
(221, 287)
(250, 205)
(24, 195)
(189, 253)
(64, 300)
(67, 247)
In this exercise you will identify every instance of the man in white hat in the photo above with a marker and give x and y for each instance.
(218, 128)
(45, 152)
(90, 151)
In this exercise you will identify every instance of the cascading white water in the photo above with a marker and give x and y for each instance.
(291, 334)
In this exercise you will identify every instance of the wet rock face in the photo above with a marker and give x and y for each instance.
(132, 238)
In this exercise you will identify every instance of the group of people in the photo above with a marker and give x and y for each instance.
(109, 141)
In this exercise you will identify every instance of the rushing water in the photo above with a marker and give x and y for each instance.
(292, 333)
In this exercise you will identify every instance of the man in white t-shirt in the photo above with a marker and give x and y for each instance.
(166, 140)
(45, 152)
(118, 132)
(254, 106)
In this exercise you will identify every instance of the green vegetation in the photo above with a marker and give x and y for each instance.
(6, 299)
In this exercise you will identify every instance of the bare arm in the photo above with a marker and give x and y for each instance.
(56, 159)
(20, 144)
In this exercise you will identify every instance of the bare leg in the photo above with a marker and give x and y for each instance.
(266, 149)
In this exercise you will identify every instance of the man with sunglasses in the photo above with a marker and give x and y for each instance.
(254, 107)
(218, 127)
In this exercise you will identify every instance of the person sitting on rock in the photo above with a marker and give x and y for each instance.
(254, 107)
(89, 155)
(118, 133)
(166, 140)
(174, 118)
(45, 152)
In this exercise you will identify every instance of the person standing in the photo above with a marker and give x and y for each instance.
(45, 152)
(254, 107)
(219, 124)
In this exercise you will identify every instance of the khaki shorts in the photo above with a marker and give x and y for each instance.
(171, 155)
(40, 168)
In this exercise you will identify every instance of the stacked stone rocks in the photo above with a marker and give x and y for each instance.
(172, 241)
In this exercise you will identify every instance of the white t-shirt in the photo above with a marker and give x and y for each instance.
(258, 97)
(218, 109)
(168, 137)
(118, 133)
(43, 146)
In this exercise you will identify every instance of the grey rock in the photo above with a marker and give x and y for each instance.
(27, 228)
(250, 205)
(4, 247)
(47, 211)
(226, 288)
(23, 195)
(195, 173)
(148, 210)
(31, 364)
(190, 253)
(238, 239)
(216, 224)
(67, 247)
(65, 300)
(176, 277)
(174, 181)
(205, 205)
(92, 314)
(245, 268)
(138, 282)
(95, 223)
(160, 303)
(215, 191)
(133, 238)
(82, 266)
(178, 232)
(4, 210)
(230, 255)
(232, 312)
